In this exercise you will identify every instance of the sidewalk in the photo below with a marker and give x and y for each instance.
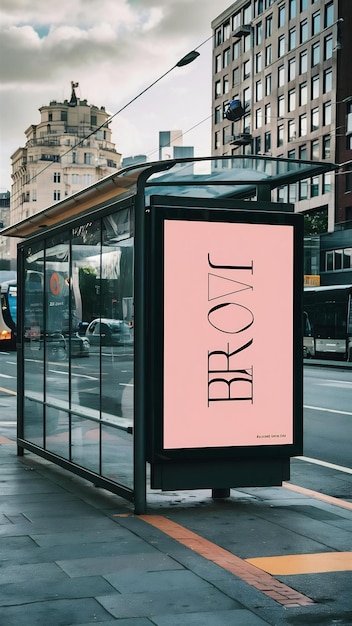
(72, 554)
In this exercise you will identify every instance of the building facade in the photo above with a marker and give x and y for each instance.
(286, 62)
(5, 257)
(68, 150)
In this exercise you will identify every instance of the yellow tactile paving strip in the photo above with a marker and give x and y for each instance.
(251, 574)
(304, 563)
(319, 496)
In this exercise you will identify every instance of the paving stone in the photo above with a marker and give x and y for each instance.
(171, 602)
(42, 590)
(54, 613)
(107, 565)
(218, 618)
(141, 582)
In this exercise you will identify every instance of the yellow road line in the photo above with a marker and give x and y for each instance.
(9, 391)
(254, 576)
(304, 563)
(319, 496)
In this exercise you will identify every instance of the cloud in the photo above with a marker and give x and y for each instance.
(114, 49)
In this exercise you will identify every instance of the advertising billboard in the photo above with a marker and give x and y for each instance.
(229, 324)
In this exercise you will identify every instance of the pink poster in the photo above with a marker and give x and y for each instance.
(228, 334)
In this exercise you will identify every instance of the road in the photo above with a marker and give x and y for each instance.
(328, 415)
(327, 411)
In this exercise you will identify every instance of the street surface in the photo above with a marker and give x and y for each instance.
(326, 465)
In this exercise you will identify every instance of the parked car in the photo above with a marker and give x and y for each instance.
(109, 332)
(58, 344)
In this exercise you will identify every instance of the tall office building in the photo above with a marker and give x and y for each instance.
(171, 145)
(286, 62)
(68, 150)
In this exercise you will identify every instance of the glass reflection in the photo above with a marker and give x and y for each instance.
(33, 353)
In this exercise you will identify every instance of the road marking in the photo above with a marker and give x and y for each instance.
(12, 362)
(335, 383)
(319, 408)
(126, 384)
(7, 423)
(13, 393)
(6, 376)
(344, 504)
(292, 564)
(254, 576)
(339, 468)
(64, 373)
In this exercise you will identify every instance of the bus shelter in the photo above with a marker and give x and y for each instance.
(160, 327)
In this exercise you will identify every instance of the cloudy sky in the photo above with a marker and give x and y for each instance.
(114, 49)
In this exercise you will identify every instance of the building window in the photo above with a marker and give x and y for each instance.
(327, 80)
(268, 55)
(258, 90)
(326, 147)
(329, 261)
(314, 119)
(246, 69)
(225, 84)
(257, 145)
(74, 157)
(269, 26)
(291, 130)
(315, 53)
(316, 23)
(247, 14)
(88, 158)
(303, 190)
(259, 7)
(218, 65)
(247, 97)
(303, 5)
(328, 47)
(303, 62)
(292, 9)
(314, 187)
(217, 89)
(57, 195)
(225, 135)
(217, 115)
(226, 57)
(281, 46)
(315, 87)
(303, 153)
(303, 31)
(63, 116)
(329, 15)
(57, 177)
(258, 62)
(226, 30)
(292, 39)
(327, 113)
(292, 69)
(246, 43)
(236, 50)
(327, 182)
(247, 124)
(347, 258)
(235, 76)
(291, 154)
(268, 85)
(267, 118)
(218, 36)
(303, 126)
(281, 16)
(93, 120)
(217, 140)
(281, 76)
(50, 117)
(236, 20)
(314, 150)
(303, 94)
(281, 106)
(280, 136)
(291, 100)
(258, 118)
(259, 33)
(267, 141)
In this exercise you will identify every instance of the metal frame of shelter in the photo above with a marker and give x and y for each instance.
(218, 188)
